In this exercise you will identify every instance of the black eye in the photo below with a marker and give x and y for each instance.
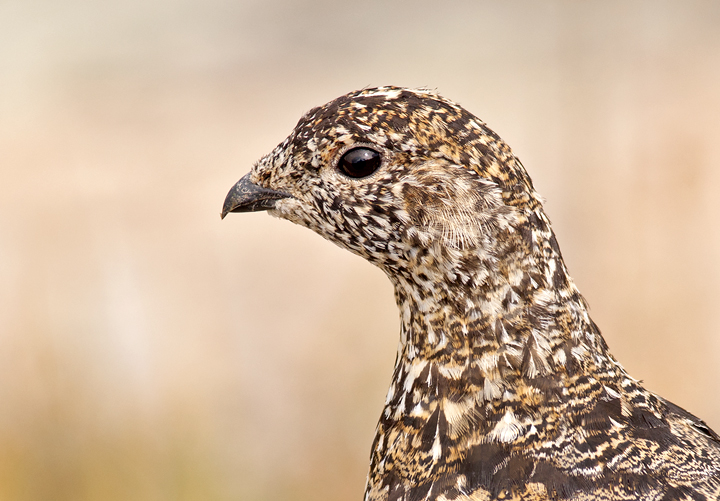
(359, 162)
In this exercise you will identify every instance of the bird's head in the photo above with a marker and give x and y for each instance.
(395, 175)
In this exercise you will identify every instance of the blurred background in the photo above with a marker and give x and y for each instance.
(149, 351)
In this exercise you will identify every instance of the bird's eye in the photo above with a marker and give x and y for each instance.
(359, 162)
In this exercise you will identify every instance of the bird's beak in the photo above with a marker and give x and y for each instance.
(246, 196)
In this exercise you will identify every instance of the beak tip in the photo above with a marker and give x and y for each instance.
(246, 196)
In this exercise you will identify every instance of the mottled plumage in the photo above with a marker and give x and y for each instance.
(503, 386)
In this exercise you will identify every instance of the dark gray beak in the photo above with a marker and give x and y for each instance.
(248, 197)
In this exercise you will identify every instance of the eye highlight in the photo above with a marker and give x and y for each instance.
(359, 162)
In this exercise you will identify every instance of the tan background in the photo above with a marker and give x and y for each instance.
(149, 351)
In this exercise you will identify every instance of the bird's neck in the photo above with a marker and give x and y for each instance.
(487, 341)
(479, 334)
(488, 344)
(513, 312)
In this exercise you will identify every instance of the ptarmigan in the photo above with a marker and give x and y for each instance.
(503, 387)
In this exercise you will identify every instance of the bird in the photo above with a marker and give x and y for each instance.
(503, 387)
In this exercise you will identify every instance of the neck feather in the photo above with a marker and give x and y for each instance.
(488, 343)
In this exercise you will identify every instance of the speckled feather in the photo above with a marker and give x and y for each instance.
(503, 386)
